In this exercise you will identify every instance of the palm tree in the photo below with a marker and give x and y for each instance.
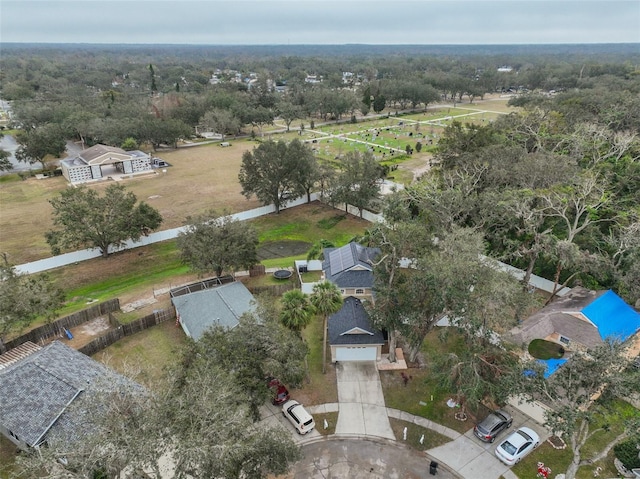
(327, 300)
(297, 310)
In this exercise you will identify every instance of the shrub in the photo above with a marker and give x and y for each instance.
(627, 452)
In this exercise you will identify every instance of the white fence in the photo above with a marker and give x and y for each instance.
(83, 255)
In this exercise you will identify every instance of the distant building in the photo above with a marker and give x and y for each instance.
(101, 161)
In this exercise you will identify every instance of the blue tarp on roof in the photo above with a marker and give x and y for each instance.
(551, 365)
(613, 317)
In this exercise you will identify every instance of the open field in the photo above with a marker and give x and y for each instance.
(205, 177)
(200, 178)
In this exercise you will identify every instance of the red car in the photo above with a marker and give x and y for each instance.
(280, 392)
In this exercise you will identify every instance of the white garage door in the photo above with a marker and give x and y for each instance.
(365, 353)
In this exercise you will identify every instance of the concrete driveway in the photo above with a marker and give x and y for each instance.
(472, 458)
(272, 417)
(362, 411)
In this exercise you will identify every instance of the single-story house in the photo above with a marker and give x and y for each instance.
(217, 305)
(350, 268)
(580, 319)
(100, 161)
(48, 393)
(351, 334)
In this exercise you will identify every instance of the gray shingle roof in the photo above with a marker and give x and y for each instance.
(351, 325)
(350, 266)
(218, 306)
(37, 390)
(562, 316)
(97, 151)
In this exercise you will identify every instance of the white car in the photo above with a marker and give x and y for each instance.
(517, 445)
(298, 416)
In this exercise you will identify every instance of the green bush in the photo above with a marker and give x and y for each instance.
(627, 452)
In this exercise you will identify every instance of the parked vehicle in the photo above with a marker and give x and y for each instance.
(280, 392)
(517, 445)
(298, 416)
(492, 425)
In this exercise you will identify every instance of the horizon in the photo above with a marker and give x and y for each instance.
(326, 22)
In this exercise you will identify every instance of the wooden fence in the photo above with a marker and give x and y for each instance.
(124, 330)
(56, 328)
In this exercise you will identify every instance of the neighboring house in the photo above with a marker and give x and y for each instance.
(351, 335)
(100, 161)
(350, 268)
(216, 305)
(51, 393)
(580, 319)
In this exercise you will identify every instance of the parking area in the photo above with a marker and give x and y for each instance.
(472, 458)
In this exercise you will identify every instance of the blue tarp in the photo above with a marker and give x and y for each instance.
(551, 365)
(613, 317)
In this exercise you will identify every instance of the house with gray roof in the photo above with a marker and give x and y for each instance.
(350, 268)
(351, 335)
(581, 319)
(218, 305)
(101, 161)
(50, 394)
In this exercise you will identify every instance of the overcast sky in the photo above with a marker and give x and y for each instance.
(258, 22)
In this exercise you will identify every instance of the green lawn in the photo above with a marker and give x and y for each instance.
(611, 423)
(431, 438)
(422, 396)
(144, 356)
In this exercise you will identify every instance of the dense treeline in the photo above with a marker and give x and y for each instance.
(158, 94)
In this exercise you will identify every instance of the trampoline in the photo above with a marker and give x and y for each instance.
(282, 274)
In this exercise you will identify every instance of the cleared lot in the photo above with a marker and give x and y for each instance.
(201, 178)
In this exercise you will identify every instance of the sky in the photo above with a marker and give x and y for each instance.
(321, 22)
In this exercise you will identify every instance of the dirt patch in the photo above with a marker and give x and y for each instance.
(87, 332)
(282, 249)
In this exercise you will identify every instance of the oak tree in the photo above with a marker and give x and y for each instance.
(215, 245)
(84, 219)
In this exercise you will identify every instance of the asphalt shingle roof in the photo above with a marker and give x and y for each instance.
(218, 306)
(36, 391)
(584, 316)
(352, 317)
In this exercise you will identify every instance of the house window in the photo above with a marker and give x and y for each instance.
(564, 340)
(342, 291)
(359, 291)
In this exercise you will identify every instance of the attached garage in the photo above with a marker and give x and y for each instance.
(351, 335)
(356, 353)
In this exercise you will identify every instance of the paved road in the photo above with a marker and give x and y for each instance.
(363, 458)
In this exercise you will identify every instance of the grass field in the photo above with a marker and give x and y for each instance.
(200, 179)
(205, 177)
